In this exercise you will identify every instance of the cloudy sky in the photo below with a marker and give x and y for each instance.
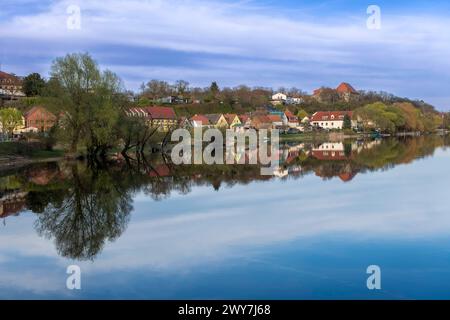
(306, 44)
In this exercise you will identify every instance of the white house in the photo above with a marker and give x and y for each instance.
(331, 119)
(329, 151)
(291, 100)
(281, 97)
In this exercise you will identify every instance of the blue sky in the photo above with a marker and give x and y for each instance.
(305, 44)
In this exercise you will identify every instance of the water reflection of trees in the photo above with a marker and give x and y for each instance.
(82, 207)
(95, 208)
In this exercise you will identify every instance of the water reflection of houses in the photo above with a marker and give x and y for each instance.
(336, 158)
(331, 151)
(161, 170)
(42, 176)
(11, 204)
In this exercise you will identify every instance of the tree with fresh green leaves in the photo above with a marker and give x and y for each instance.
(144, 102)
(10, 119)
(91, 101)
(33, 85)
(376, 116)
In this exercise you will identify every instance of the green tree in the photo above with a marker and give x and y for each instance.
(10, 119)
(347, 122)
(214, 92)
(302, 114)
(144, 102)
(376, 116)
(33, 85)
(214, 89)
(91, 102)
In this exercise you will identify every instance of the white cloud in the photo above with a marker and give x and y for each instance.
(406, 45)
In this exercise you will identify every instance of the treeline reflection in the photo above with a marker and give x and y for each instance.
(81, 207)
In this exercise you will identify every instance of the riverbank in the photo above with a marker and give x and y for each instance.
(339, 136)
(15, 162)
(18, 154)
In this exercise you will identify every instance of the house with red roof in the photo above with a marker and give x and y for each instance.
(217, 120)
(164, 118)
(199, 121)
(232, 120)
(261, 122)
(10, 85)
(39, 118)
(291, 119)
(331, 119)
(12, 204)
(277, 120)
(245, 119)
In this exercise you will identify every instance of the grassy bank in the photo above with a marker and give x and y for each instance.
(32, 150)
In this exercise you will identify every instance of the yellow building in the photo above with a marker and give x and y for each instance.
(162, 117)
(217, 120)
(232, 120)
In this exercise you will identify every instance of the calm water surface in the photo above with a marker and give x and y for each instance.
(157, 231)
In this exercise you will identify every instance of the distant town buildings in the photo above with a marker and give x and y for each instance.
(39, 119)
(10, 86)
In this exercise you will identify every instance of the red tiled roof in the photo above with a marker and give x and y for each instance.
(160, 171)
(161, 113)
(274, 118)
(330, 115)
(291, 117)
(35, 109)
(7, 76)
(243, 118)
(230, 117)
(200, 118)
(347, 176)
(344, 87)
(261, 119)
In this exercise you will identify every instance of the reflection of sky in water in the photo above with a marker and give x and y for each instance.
(280, 239)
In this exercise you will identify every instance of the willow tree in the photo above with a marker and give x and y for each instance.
(88, 100)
